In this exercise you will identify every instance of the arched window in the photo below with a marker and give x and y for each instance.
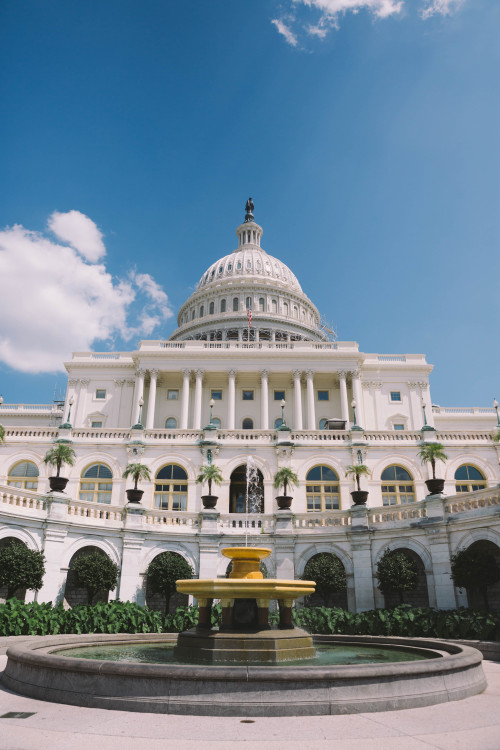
(216, 422)
(248, 303)
(171, 423)
(262, 304)
(295, 311)
(24, 475)
(322, 489)
(193, 314)
(322, 424)
(274, 306)
(236, 304)
(277, 423)
(285, 308)
(211, 308)
(469, 479)
(397, 486)
(171, 488)
(96, 484)
(223, 305)
(247, 424)
(246, 490)
(202, 311)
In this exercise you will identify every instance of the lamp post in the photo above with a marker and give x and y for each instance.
(141, 404)
(495, 406)
(283, 404)
(70, 403)
(212, 403)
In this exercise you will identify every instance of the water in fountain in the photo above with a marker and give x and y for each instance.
(253, 495)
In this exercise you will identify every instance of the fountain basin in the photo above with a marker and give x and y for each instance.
(39, 669)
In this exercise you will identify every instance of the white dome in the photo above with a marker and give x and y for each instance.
(250, 264)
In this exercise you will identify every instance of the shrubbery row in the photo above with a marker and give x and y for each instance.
(17, 618)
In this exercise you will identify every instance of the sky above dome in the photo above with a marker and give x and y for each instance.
(366, 132)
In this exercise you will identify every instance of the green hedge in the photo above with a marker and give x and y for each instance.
(17, 618)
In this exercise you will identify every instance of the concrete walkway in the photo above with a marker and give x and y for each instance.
(471, 724)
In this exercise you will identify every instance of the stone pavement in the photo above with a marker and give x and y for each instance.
(471, 724)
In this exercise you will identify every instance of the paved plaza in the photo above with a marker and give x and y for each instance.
(471, 724)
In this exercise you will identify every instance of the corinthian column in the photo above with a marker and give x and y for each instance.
(344, 404)
(311, 411)
(197, 399)
(231, 400)
(264, 400)
(138, 394)
(186, 374)
(358, 396)
(297, 399)
(152, 400)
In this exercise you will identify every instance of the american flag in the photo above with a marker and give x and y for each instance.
(249, 316)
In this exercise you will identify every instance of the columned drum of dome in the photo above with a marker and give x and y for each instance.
(248, 279)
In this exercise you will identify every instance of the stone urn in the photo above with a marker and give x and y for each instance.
(58, 484)
(284, 502)
(134, 496)
(359, 497)
(435, 486)
(209, 501)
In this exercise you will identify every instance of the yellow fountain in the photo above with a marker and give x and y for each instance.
(245, 635)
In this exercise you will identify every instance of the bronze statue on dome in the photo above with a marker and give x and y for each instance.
(249, 207)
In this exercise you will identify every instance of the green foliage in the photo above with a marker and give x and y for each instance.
(95, 572)
(2, 433)
(284, 477)
(21, 568)
(396, 571)
(137, 472)
(496, 438)
(357, 471)
(209, 473)
(328, 573)
(60, 454)
(429, 453)
(474, 569)
(164, 571)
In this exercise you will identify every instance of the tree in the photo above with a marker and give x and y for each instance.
(328, 573)
(164, 570)
(357, 471)
(209, 473)
(397, 571)
(95, 572)
(429, 453)
(496, 438)
(60, 454)
(2, 433)
(285, 477)
(474, 569)
(137, 472)
(21, 568)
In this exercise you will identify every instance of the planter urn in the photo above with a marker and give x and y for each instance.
(435, 486)
(359, 497)
(134, 496)
(284, 502)
(58, 484)
(209, 501)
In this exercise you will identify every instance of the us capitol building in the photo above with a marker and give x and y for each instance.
(250, 379)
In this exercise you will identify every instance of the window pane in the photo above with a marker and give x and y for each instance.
(172, 394)
(217, 395)
(247, 395)
(399, 426)
(395, 396)
(314, 474)
(279, 395)
(323, 396)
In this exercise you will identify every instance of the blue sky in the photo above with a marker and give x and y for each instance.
(133, 132)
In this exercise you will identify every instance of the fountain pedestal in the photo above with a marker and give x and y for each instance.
(245, 635)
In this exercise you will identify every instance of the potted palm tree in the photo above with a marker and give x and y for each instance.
(209, 474)
(283, 478)
(429, 453)
(359, 496)
(2, 433)
(57, 456)
(137, 472)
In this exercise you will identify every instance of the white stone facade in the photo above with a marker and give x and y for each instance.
(167, 387)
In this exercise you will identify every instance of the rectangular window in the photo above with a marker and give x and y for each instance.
(399, 426)
(172, 394)
(96, 424)
(217, 395)
(395, 396)
(100, 393)
(247, 396)
(323, 396)
(279, 395)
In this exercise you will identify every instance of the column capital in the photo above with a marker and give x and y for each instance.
(129, 382)
(120, 382)
(140, 372)
(199, 372)
(310, 373)
(85, 381)
(186, 372)
(73, 381)
(355, 373)
(264, 374)
(342, 374)
(297, 374)
(154, 373)
(232, 373)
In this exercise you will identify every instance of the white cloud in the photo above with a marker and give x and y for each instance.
(80, 232)
(54, 301)
(440, 7)
(285, 31)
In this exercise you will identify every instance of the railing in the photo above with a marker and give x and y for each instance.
(391, 358)
(397, 513)
(328, 435)
(238, 523)
(173, 520)
(36, 432)
(95, 511)
(16, 498)
(98, 433)
(325, 519)
(463, 410)
(466, 501)
(454, 435)
(106, 355)
(32, 408)
(391, 436)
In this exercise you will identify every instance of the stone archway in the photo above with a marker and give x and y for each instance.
(474, 597)
(20, 594)
(72, 593)
(246, 487)
(157, 601)
(323, 598)
(419, 597)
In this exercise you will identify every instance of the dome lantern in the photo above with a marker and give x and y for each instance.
(248, 233)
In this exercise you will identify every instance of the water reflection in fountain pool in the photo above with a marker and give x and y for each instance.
(326, 655)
